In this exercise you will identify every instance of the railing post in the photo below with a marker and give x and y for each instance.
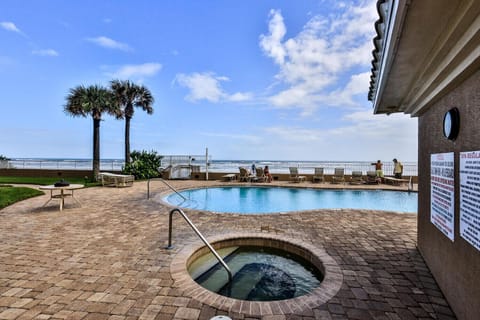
(169, 246)
(148, 189)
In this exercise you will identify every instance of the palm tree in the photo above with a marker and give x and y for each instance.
(94, 101)
(129, 95)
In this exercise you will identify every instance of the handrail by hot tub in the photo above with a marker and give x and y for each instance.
(167, 184)
(220, 260)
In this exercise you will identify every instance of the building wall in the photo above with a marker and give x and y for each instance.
(46, 173)
(455, 265)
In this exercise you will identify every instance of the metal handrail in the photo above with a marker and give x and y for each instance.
(167, 184)
(220, 260)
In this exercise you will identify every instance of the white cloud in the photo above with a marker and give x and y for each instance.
(320, 57)
(360, 136)
(240, 96)
(10, 26)
(110, 43)
(356, 86)
(271, 43)
(137, 71)
(206, 86)
(45, 52)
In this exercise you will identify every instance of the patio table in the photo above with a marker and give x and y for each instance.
(64, 192)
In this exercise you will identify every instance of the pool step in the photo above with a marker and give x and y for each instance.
(251, 280)
(215, 277)
(203, 264)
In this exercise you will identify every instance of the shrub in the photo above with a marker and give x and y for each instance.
(143, 165)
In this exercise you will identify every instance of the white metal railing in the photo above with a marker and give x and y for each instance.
(198, 163)
(167, 184)
(190, 223)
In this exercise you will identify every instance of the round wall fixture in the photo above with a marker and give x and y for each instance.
(451, 124)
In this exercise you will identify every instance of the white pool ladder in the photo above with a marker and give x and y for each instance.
(212, 250)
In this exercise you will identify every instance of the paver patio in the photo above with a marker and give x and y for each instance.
(106, 259)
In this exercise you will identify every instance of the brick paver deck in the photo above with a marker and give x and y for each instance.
(106, 259)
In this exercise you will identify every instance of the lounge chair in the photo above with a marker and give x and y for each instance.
(372, 178)
(294, 176)
(245, 176)
(356, 177)
(318, 175)
(260, 177)
(338, 175)
(117, 180)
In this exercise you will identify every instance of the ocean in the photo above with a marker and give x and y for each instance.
(275, 166)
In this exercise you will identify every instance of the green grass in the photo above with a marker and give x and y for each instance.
(9, 195)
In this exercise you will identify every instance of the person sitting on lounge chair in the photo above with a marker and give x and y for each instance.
(267, 174)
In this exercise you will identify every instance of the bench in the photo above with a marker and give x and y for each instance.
(229, 177)
(395, 181)
(117, 180)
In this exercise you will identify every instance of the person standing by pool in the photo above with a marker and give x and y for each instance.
(267, 174)
(254, 170)
(378, 168)
(397, 169)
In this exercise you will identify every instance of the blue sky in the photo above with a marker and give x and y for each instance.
(278, 80)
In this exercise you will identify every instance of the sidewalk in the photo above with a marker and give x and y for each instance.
(106, 259)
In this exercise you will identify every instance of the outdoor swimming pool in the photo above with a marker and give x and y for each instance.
(262, 200)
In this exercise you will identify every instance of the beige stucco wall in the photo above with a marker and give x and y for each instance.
(455, 265)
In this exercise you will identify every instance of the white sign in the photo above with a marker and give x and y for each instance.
(470, 197)
(442, 203)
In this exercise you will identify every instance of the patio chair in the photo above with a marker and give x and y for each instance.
(245, 176)
(372, 178)
(356, 177)
(338, 175)
(294, 176)
(318, 175)
(260, 177)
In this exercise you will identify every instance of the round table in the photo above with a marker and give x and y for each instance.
(63, 192)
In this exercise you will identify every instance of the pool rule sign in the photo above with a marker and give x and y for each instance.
(442, 204)
(470, 197)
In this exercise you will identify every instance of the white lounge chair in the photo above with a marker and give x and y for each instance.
(357, 177)
(294, 176)
(338, 175)
(260, 175)
(116, 180)
(245, 175)
(318, 175)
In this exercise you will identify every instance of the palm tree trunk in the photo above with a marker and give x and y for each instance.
(127, 139)
(96, 148)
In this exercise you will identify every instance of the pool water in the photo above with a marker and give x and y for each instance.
(262, 200)
(259, 274)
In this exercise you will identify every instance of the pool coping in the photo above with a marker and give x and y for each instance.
(331, 284)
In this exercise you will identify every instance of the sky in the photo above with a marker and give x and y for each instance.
(256, 80)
